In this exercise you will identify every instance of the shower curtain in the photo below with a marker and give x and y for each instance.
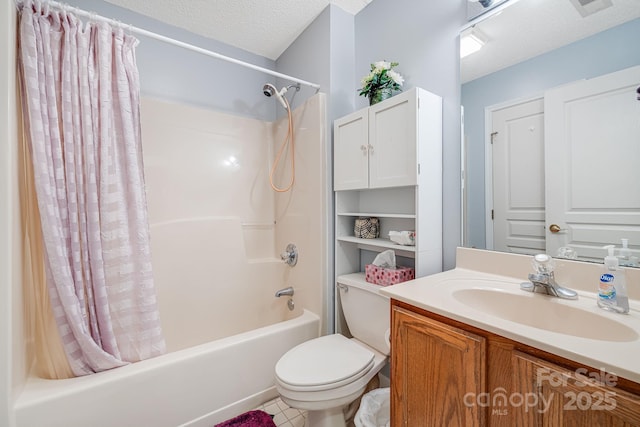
(80, 95)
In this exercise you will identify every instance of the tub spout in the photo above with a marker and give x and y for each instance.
(285, 292)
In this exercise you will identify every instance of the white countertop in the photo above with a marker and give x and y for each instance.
(618, 352)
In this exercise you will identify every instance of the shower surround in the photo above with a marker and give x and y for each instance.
(217, 228)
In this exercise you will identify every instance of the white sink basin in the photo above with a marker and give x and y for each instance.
(547, 313)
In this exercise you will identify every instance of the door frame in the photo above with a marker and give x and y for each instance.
(488, 159)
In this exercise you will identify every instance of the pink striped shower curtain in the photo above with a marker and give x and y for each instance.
(81, 107)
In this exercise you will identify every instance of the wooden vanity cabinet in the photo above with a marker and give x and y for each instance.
(444, 372)
(433, 365)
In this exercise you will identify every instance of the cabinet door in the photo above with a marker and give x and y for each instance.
(351, 145)
(554, 396)
(393, 142)
(434, 370)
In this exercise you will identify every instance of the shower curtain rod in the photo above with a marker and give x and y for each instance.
(156, 36)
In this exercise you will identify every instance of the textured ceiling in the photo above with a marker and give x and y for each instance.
(263, 27)
(521, 31)
(529, 28)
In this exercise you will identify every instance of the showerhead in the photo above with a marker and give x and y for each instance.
(270, 90)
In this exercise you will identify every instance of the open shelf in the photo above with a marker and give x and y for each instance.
(379, 245)
(376, 243)
(378, 215)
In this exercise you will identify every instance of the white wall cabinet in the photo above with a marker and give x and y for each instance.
(388, 164)
(376, 147)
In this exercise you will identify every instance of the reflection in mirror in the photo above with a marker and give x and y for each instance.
(554, 88)
(475, 8)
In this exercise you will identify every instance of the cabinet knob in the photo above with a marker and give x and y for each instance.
(364, 149)
(370, 148)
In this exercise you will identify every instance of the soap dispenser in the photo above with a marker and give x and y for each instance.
(612, 289)
(624, 252)
(625, 256)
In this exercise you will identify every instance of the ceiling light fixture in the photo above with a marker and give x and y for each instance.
(471, 42)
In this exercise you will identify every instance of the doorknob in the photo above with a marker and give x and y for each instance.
(555, 228)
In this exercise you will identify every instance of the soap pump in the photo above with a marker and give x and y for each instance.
(624, 253)
(625, 256)
(612, 289)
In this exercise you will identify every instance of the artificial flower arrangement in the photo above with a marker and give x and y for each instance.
(380, 83)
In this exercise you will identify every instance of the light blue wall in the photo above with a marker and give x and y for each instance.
(308, 58)
(422, 35)
(324, 54)
(342, 66)
(609, 51)
(176, 74)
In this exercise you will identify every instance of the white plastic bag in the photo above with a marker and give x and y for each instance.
(375, 409)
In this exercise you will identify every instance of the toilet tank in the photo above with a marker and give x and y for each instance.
(367, 313)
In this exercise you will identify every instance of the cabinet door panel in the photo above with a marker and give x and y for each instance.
(433, 367)
(392, 139)
(350, 161)
(560, 397)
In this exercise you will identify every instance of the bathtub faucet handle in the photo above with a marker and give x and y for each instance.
(290, 255)
(284, 292)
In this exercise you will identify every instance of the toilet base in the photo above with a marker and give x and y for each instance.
(332, 417)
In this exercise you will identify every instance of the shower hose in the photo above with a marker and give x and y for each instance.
(288, 141)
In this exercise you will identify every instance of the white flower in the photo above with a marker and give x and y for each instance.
(381, 65)
(396, 77)
(381, 77)
(366, 79)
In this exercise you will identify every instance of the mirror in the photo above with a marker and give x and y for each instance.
(475, 8)
(534, 50)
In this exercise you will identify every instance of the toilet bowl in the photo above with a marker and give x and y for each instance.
(324, 375)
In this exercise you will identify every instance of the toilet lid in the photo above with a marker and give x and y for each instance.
(324, 361)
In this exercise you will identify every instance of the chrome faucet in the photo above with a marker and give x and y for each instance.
(543, 280)
(288, 292)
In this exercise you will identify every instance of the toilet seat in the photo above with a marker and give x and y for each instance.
(323, 363)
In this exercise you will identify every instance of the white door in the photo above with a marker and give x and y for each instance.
(350, 151)
(518, 178)
(593, 184)
(392, 139)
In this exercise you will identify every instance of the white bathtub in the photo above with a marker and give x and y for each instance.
(197, 386)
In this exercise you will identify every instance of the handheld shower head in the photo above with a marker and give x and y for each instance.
(269, 90)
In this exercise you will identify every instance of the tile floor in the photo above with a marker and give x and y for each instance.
(284, 416)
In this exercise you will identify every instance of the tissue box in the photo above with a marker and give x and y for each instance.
(387, 276)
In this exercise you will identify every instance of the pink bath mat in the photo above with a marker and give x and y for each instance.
(249, 419)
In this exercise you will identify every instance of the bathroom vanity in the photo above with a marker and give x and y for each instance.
(470, 348)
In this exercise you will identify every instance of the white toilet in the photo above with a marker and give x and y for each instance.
(326, 374)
